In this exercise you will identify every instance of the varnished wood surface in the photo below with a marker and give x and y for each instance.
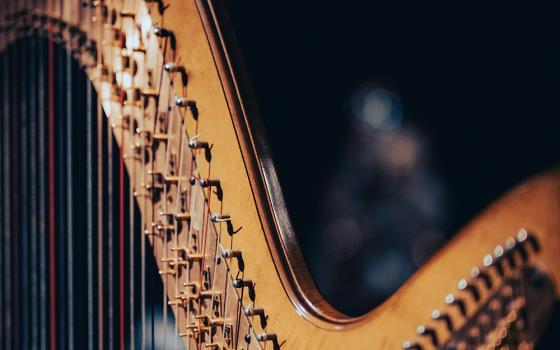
(284, 287)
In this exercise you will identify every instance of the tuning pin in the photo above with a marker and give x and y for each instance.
(500, 255)
(227, 253)
(450, 299)
(476, 273)
(252, 311)
(266, 337)
(408, 345)
(489, 261)
(524, 236)
(241, 283)
(439, 316)
(428, 332)
(220, 217)
(161, 32)
(208, 182)
(466, 286)
(509, 252)
(194, 143)
(174, 68)
(183, 102)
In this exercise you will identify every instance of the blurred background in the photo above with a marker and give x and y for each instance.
(391, 126)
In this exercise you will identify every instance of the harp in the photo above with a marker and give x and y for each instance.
(141, 208)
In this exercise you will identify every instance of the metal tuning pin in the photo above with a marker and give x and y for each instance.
(242, 283)
(183, 102)
(253, 311)
(428, 332)
(439, 316)
(220, 217)
(194, 143)
(524, 236)
(510, 251)
(245, 283)
(488, 261)
(267, 337)
(174, 68)
(209, 183)
(161, 32)
(408, 345)
(450, 299)
(230, 254)
(464, 285)
(476, 273)
(499, 256)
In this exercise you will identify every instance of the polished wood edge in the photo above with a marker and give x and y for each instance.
(267, 193)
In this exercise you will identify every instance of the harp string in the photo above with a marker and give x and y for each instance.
(144, 224)
(6, 210)
(100, 194)
(110, 215)
(52, 271)
(89, 198)
(3, 44)
(42, 189)
(69, 181)
(121, 93)
(34, 232)
(22, 46)
(153, 207)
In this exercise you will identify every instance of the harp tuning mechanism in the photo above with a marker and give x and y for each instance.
(428, 332)
(408, 345)
(171, 67)
(194, 143)
(161, 32)
(220, 217)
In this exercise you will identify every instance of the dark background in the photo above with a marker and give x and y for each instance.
(478, 88)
